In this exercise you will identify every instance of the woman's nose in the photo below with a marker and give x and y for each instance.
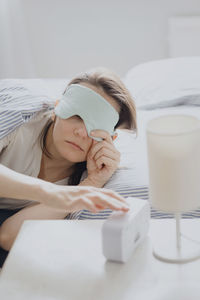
(81, 131)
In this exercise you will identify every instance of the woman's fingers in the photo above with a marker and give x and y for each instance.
(79, 191)
(72, 198)
(83, 203)
(106, 161)
(114, 195)
(102, 134)
(99, 207)
(110, 193)
(96, 200)
(115, 155)
(99, 145)
(109, 202)
(95, 203)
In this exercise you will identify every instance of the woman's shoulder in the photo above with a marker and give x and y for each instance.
(6, 140)
(26, 136)
(31, 127)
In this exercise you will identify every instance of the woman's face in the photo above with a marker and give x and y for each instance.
(70, 136)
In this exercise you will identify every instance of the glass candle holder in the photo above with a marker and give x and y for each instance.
(173, 148)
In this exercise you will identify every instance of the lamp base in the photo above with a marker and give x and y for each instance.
(168, 251)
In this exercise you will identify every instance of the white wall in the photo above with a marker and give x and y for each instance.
(60, 38)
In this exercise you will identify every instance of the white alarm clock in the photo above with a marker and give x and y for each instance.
(123, 232)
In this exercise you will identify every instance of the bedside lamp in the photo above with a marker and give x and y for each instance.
(173, 147)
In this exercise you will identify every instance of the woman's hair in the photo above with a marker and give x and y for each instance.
(106, 81)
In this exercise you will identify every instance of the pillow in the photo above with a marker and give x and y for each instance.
(166, 82)
(51, 88)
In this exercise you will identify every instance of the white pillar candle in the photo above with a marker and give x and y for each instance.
(173, 147)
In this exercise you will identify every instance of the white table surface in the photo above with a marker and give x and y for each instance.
(62, 259)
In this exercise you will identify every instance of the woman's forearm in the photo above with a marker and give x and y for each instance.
(11, 227)
(20, 186)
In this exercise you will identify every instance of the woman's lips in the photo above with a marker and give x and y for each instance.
(75, 145)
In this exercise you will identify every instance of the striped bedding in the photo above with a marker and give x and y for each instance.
(139, 192)
(18, 105)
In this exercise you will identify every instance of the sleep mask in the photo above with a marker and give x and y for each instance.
(95, 111)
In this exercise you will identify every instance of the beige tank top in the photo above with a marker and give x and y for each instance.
(21, 152)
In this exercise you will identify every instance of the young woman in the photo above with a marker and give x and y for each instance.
(43, 161)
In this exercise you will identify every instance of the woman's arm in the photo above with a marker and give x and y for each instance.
(67, 198)
(10, 228)
(19, 186)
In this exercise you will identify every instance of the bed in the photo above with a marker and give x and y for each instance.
(167, 86)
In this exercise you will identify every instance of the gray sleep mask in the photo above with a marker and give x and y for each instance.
(96, 112)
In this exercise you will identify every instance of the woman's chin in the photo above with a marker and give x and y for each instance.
(73, 158)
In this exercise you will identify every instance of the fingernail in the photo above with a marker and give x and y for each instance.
(126, 206)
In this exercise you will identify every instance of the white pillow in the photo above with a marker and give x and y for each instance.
(51, 88)
(166, 82)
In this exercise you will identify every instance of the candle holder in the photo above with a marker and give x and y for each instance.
(173, 148)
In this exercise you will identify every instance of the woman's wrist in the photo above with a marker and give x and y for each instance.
(89, 182)
(44, 190)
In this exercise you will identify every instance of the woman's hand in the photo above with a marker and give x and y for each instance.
(73, 198)
(66, 198)
(102, 159)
